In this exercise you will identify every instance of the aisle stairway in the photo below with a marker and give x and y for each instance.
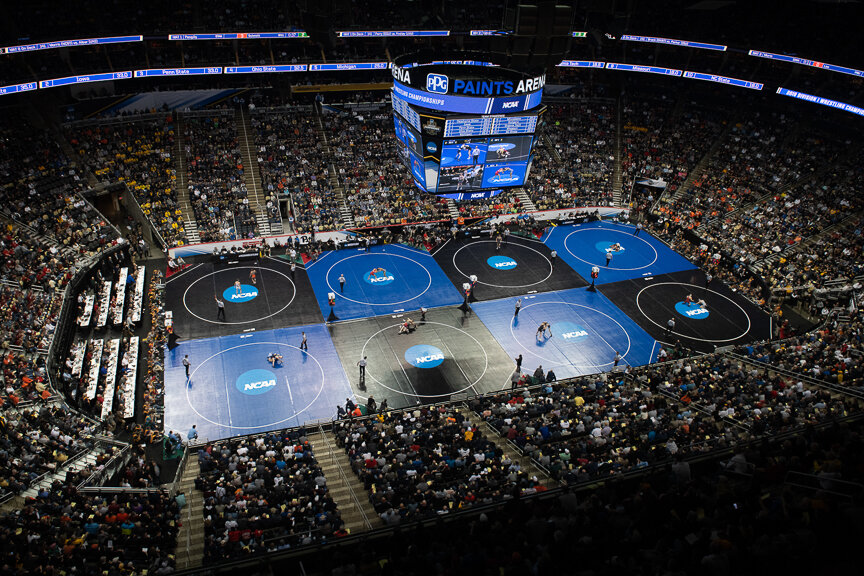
(179, 152)
(525, 462)
(190, 538)
(345, 488)
(251, 173)
(333, 177)
(617, 178)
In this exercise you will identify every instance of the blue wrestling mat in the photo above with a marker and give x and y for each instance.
(586, 330)
(234, 390)
(385, 280)
(632, 256)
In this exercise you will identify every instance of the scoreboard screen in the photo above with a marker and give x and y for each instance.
(465, 130)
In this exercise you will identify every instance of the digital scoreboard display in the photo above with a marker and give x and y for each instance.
(464, 129)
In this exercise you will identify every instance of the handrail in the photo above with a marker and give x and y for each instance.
(846, 391)
(344, 478)
(181, 468)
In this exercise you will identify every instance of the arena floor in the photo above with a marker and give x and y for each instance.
(456, 352)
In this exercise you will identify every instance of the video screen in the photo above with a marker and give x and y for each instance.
(456, 178)
(467, 152)
(400, 128)
(508, 149)
(504, 174)
(418, 170)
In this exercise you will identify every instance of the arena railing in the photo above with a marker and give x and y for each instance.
(133, 206)
(344, 479)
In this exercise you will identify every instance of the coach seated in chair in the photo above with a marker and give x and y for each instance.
(275, 359)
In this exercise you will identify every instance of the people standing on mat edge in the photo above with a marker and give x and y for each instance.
(552, 257)
(617, 358)
(539, 375)
(371, 406)
(293, 269)
(186, 365)
(670, 326)
(220, 308)
(303, 345)
(608, 258)
(518, 306)
(362, 365)
(342, 283)
(638, 229)
(518, 363)
(515, 378)
(423, 314)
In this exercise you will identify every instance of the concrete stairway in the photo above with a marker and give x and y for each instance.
(333, 177)
(617, 178)
(179, 152)
(251, 175)
(344, 486)
(190, 538)
(526, 464)
(84, 461)
(452, 209)
(527, 204)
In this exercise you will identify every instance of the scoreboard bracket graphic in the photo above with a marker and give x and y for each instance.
(465, 128)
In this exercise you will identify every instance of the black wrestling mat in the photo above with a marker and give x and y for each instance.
(521, 266)
(725, 319)
(274, 300)
(450, 356)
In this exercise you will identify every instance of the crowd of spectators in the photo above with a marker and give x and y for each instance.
(65, 531)
(419, 463)
(37, 440)
(261, 493)
(833, 353)
(292, 160)
(214, 169)
(607, 425)
(577, 170)
(379, 190)
(139, 154)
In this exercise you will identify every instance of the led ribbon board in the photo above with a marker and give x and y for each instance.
(69, 44)
(723, 80)
(53, 83)
(823, 101)
(673, 42)
(805, 62)
(240, 36)
(390, 33)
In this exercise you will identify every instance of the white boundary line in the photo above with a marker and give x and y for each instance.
(551, 269)
(398, 361)
(749, 324)
(175, 276)
(602, 265)
(293, 296)
(227, 384)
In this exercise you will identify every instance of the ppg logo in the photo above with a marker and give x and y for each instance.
(693, 311)
(379, 277)
(569, 331)
(437, 83)
(256, 382)
(247, 293)
(424, 356)
(501, 262)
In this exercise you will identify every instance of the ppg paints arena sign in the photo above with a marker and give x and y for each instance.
(480, 77)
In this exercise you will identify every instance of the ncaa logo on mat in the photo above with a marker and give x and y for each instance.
(569, 331)
(247, 293)
(424, 356)
(256, 382)
(437, 83)
(379, 277)
(692, 311)
(501, 262)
